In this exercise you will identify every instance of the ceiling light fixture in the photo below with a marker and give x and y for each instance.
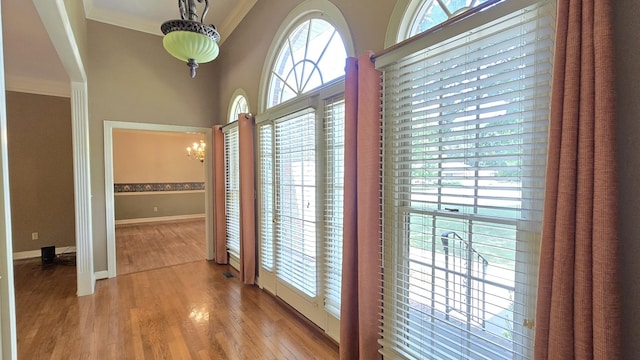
(191, 40)
(196, 151)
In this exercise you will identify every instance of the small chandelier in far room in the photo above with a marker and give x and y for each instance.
(191, 40)
(196, 151)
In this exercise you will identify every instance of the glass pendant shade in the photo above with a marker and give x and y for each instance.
(188, 39)
(185, 45)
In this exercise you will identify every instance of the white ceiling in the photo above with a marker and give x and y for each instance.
(29, 54)
(148, 15)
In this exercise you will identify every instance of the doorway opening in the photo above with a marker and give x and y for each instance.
(157, 207)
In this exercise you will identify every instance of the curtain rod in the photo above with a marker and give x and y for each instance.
(455, 19)
(246, 116)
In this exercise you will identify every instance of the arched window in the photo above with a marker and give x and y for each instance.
(412, 17)
(434, 12)
(239, 105)
(300, 131)
(313, 54)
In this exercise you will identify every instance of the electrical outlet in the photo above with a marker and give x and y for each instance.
(34, 236)
(155, 209)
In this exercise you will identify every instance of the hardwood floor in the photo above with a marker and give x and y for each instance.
(187, 311)
(151, 246)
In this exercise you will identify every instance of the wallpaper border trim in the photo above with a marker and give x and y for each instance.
(151, 187)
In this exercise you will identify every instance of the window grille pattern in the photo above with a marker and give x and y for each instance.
(239, 106)
(312, 55)
(435, 12)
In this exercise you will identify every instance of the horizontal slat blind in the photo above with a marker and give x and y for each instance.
(232, 189)
(295, 157)
(265, 133)
(334, 200)
(465, 131)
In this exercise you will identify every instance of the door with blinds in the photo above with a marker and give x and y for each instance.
(295, 213)
(232, 193)
(300, 210)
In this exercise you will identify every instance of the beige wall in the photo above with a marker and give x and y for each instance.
(627, 13)
(132, 78)
(40, 171)
(158, 204)
(154, 157)
(243, 53)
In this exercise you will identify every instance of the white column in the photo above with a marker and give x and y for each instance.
(82, 188)
(8, 339)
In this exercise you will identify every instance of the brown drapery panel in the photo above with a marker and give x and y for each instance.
(246, 125)
(219, 218)
(361, 264)
(578, 307)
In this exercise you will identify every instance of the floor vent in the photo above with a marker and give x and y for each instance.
(227, 274)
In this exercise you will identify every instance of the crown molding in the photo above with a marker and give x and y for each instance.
(124, 20)
(151, 26)
(234, 19)
(88, 6)
(38, 86)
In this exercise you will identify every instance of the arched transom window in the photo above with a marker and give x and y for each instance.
(433, 12)
(312, 55)
(239, 106)
(300, 162)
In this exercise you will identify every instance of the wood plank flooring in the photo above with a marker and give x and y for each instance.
(143, 247)
(187, 311)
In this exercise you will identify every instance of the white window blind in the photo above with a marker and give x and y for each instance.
(334, 200)
(465, 131)
(232, 190)
(295, 231)
(265, 134)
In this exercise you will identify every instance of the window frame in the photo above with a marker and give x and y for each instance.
(313, 64)
(402, 20)
(232, 192)
(237, 96)
(326, 11)
(323, 9)
(395, 250)
(314, 310)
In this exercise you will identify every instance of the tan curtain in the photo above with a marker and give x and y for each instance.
(361, 265)
(219, 218)
(246, 125)
(578, 309)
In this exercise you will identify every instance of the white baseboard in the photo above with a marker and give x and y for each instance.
(101, 275)
(159, 219)
(38, 253)
(234, 262)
